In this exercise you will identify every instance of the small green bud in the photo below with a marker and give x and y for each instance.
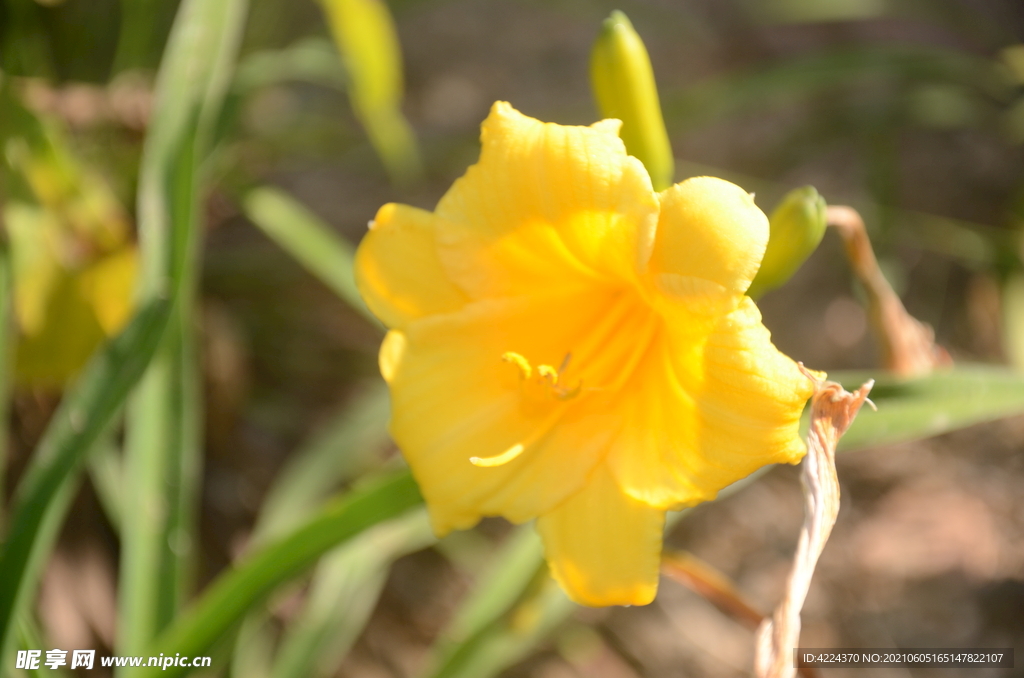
(797, 226)
(1013, 60)
(623, 83)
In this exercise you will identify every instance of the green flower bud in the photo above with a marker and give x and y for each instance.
(797, 225)
(623, 84)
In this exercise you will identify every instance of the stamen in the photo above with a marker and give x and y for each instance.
(543, 387)
(511, 453)
(565, 363)
(548, 373)
(562, 393)
(513, 358)
(500, 459)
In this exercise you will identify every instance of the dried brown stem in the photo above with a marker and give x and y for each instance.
(908, 346)
(706, 581)
(832, 411)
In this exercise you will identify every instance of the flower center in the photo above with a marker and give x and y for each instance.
(602, 362)
(546, 377)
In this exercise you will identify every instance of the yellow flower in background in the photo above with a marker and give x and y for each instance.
(73, 263)
(568, 345)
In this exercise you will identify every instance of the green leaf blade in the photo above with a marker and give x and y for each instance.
(309, 240)
(44, 494)
(163, 448)
(227, 600)
(946, 400)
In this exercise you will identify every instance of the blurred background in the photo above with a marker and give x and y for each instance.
(910, 110)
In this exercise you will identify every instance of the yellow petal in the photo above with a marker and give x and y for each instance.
(455, 398)
(391, 351)
(109, 286)
(69, 334)
(752, 394)
(703, 413)
(398, 271)
(604, 547)
(36, 269)
(711, 229)
(546, 205)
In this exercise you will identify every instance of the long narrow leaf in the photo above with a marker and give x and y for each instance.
(6, 335)
(304, 236)
(511, 638)
(337, 453)
(44, 493)
(514, 566)
(340, 451)
(368, 42)
(343, 594)
(162, 451)
(225, 602)
(106, 473)
(909, 409)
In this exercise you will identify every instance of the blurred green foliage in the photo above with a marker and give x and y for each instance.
(232, 99)
(72, 262)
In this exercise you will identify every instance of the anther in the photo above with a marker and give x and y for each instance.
(548, 373)
(513, 358)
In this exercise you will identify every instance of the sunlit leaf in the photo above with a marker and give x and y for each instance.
(342, 595)
(67, 337)
(35, 268)
(231, 595)
(365, 34)
(307, 238)
(946, 400)
(163, 444)
(340, 451)
(46, 489)
(313, 60)
(73, 264)
(107, 285)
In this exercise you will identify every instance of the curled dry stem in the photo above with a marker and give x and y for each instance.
(908, 346)
(832, 411)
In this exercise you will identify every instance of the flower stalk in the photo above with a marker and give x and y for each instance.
(908, 346)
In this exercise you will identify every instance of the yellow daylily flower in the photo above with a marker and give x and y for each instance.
(568, 345)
